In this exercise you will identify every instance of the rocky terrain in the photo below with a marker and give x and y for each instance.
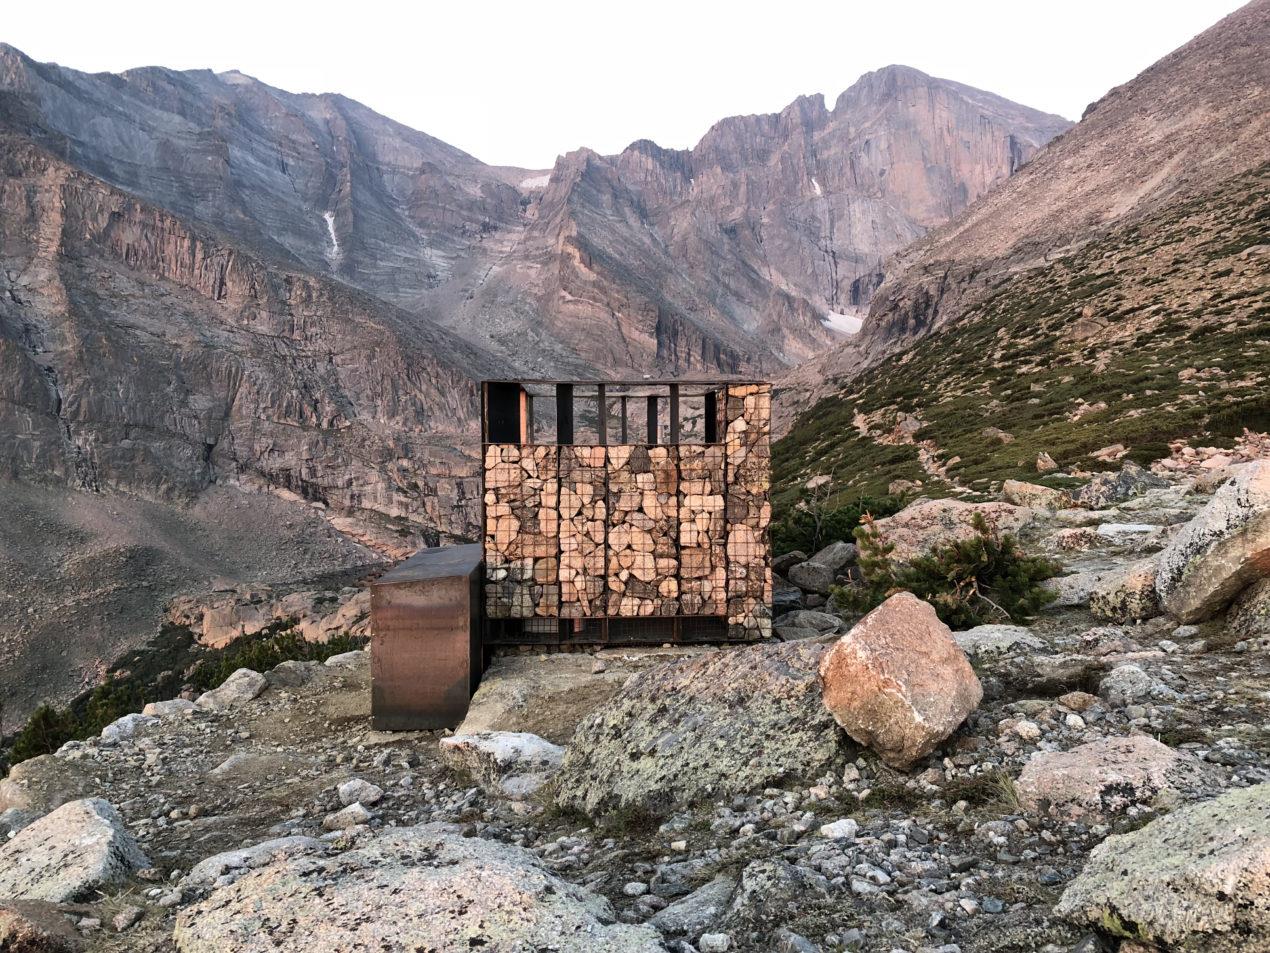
(1098, 778)
(1128, 257)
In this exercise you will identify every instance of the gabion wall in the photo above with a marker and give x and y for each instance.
(581, 532)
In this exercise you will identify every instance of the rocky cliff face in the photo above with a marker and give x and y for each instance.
(146, 355)
(1181, 129)
(1112, 292)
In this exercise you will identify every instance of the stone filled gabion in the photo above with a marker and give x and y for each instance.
(634, 531)
(748, 511)
(522, 516)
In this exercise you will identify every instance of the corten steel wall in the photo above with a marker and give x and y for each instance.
(426, 651)
(636, 531)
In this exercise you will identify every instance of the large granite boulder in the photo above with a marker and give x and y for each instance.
(236, 691)
(919, 528)
(412, 888)
(36, 926)
(1116, 486)
(1194, 881)
(727, 722)
(1127, 595)
(1222, 551)
(1249, 615)
(69, 854)
(1095, 781)
(1019, 493)
(898, 682)
(512, 764)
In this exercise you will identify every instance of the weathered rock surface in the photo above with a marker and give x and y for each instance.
(550, 696)
(236, 691)
(1129, 683)
(1127, 595)
(33, 926)
(1222, 551)
(812, 576)
(692, 915)
(65, 855)
(1194, 881)
(1116, 486)
(512, 764)
(898, 682)
(411, 888)
(726, 722)
(988, 640)
(1249, 615)
(1097, 780)
(918, 528)
(1031, 494)
(224, 868)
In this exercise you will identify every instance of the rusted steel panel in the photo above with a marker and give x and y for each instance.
(425, 648)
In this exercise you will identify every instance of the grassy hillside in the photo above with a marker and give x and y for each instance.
(1160, 329)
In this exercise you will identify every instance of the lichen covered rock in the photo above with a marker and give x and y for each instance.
(69, 854)
(1221, 551)
(1105, 777)
(413, 888)
(726, 722)
(1194, 881)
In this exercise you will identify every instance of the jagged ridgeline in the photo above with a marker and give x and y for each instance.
(1157, 330)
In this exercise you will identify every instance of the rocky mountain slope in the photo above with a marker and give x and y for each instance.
(1114, 291)
(266, 814)
(724, 257)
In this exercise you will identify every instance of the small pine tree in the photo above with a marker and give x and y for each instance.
(47, 730)
(969, 582)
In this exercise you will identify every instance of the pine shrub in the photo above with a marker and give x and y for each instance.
(984, 578)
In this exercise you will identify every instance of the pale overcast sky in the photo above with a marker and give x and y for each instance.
(520, 83)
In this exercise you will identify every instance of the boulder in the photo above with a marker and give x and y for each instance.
(1127, 595)
(767, 888)
(692, 915)
(67, 855)
(1129, 683)
(224, 868)
(45, 782)
(1034, 495)
(412, 888)
(359, 791)
(1045, 463)
(549, 694)
(813, 577)
(1222, 551)
(36, 926)
(512, 764)
(1115, 486)
(988, 640)
(1075, 589)
(810, 619)
(725, 722)
(122, 729)
(167, 709)
(836, 555)
(786, 597)
(1249, 615)
(898, 682)
(1196, 880)
(919, 528)
(783, 563)
(1095, 781)
(234, 692)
